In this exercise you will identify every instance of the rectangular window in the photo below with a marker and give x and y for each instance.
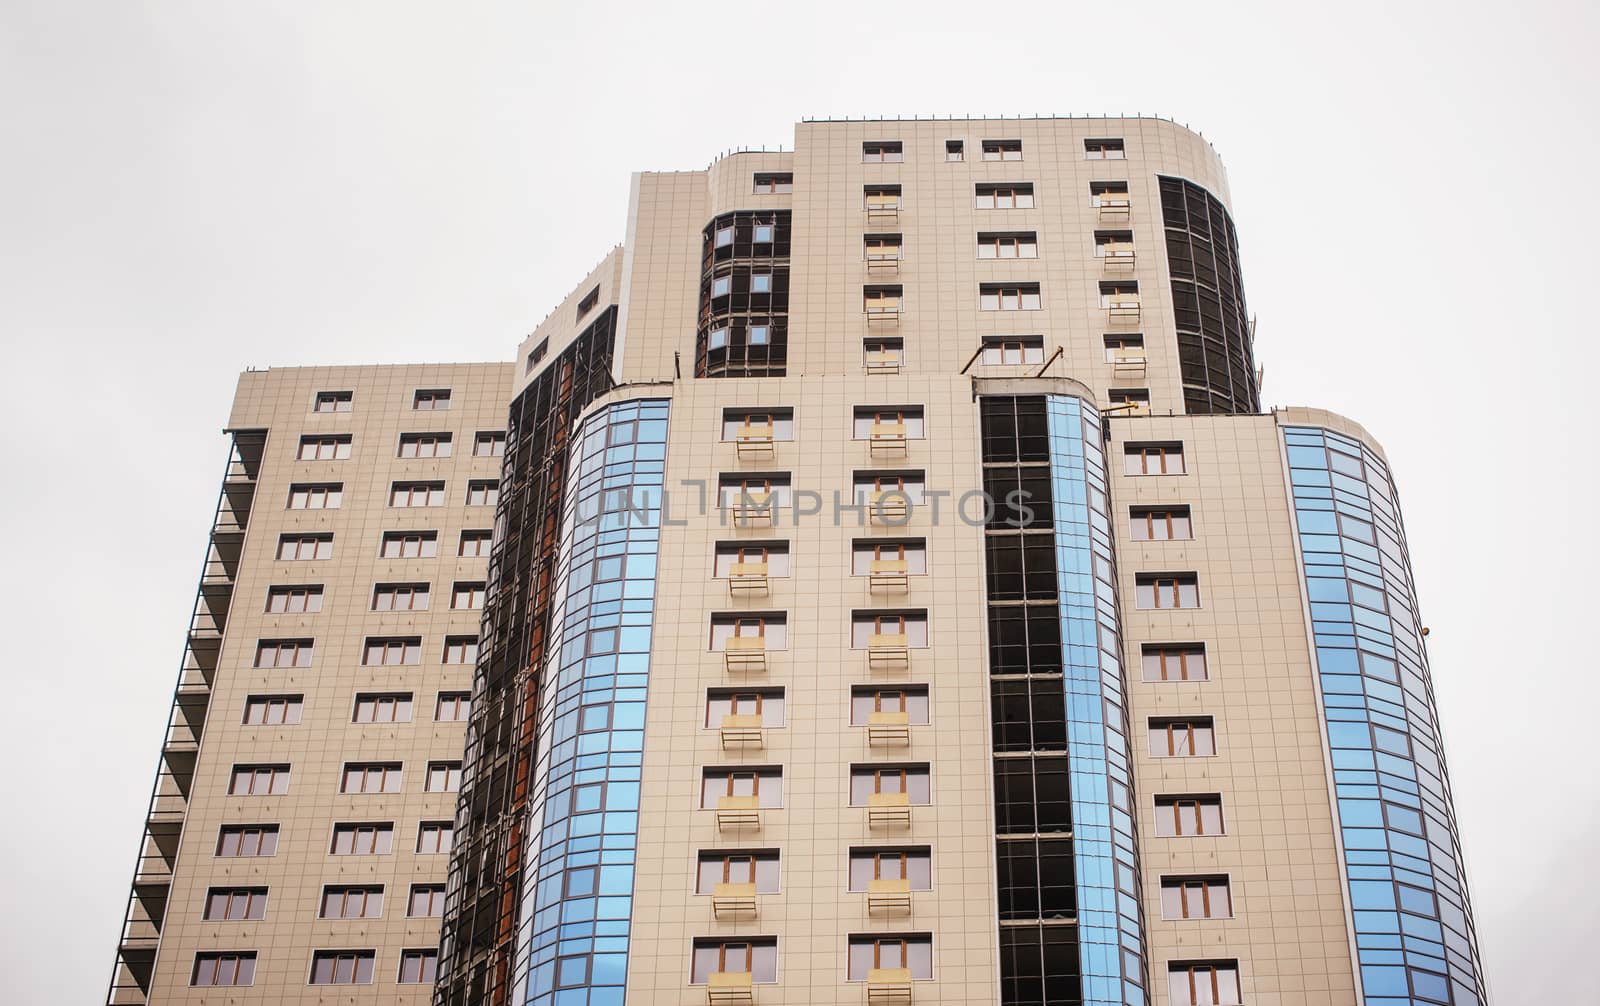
(284, 653)
(765, 784)
(1035, 878)
(324, 448)
(381, 651)
(1203, 983)
(1153, 459)
(272, 710)
(316, 495)
(774, 554)
(453, 707)
(883, 355)
(1186, 737)
(342, 967)
(588, 302)
(1002, 150)
(882, 300)
(1166, 590)
(866, 417)
(1124, 348)
(867, 781)
(424, 445)
(868, 699)
(775, 423)
(382, 707)
(1103, 150)
(1108, 194)
(1113, 244)
(1012, 350)
(416, 494)
(332, 401)
(489, 444)
(906, 487)
(231, 968)
(1005, 196)
(1174, 662)
(298, 547)
(467, 595)
(1195, 898)
(773, 182)
(882, 247)
(426, 901)
(409, 545)
(400, 597)
(460, 649)
(259, 780)
(766, 490)
(1123, 296)
(304, 600)
(881, 198)
(375, 839)
(1129, 401)
(955, 150)
(1159, 523)
(758, 867)
(911, 551)
(757, 958)
(475, 544)
(443, 777)
(247, 841)
(235, 904)
(418, 967)
(344, 902)
(766, 703)
(1189, 816)
(883, 863)
(371, 777)
(866, 624)
(883, 152)
(1017, 297)
(483, 492)
(435, 837)
(1016, 244)
(431, 399)
(1031, 795)
(913, 952)
(536, 354)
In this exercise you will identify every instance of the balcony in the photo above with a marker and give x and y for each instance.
(888, 897)
(744, 654)
(1129, 361)
(889, 729)
(1123, 308)
(887, 440)
(888, 810)
(730, 988)
(889, 506)
(753, 509)
(1119, 256)
(888, 986)
(733, 901)
(1115, 206)
(888, 651)
(1130, 407)
(883, 208)
(738, 812)
(755, 442)
(883, 261)
(740, 730)
(889, 576)
(748, 579)
(883, 362)
(882, 310)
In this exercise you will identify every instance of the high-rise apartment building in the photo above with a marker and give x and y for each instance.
(878, 582)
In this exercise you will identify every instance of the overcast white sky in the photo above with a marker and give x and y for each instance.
(187, 189)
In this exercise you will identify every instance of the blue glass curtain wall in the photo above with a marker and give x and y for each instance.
(1414, 931)
(584, 828)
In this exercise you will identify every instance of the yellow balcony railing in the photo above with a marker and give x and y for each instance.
(755, 442)
(888, 897)
(882, 207)
(1129, 361)
(752, 508)
(742, 730)
(748, 578)
(738, 812)
(1123, 307)
(730, 988)
(1115, 206)
(889, 506)
(888, 986)
(889, 575)
(888, 651)
(882, 310)
(889, 810)
(883, 261)
(887, 439)
(1118, 256)
(883, 363)
(733, 901)
(744, 653)
(885, 729)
